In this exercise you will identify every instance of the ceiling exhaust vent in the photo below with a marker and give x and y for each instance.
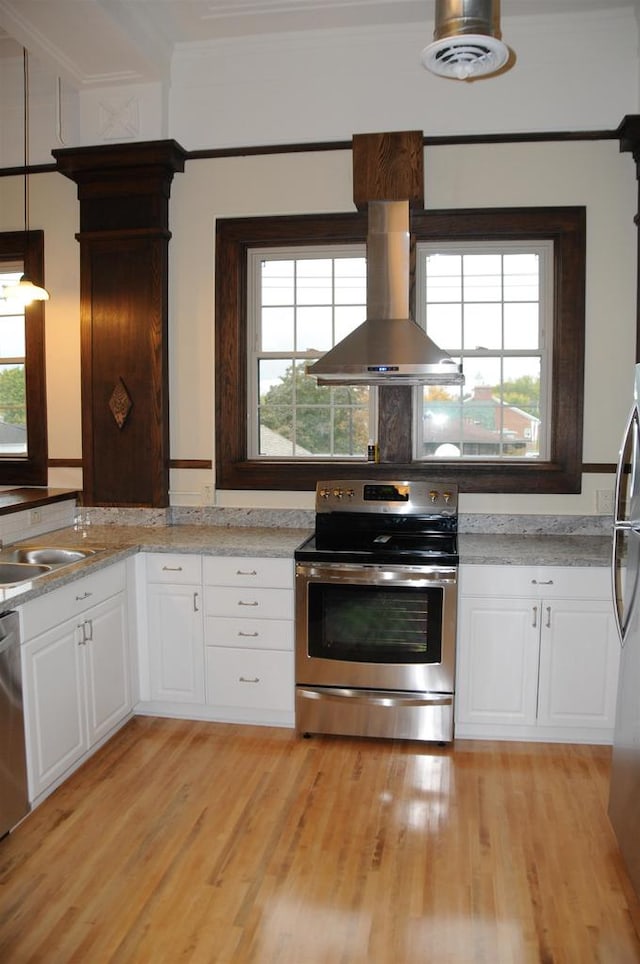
(466, 40)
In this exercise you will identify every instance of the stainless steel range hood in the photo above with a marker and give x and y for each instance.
(389, 347)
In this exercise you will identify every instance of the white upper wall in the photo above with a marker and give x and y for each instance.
(573, 71)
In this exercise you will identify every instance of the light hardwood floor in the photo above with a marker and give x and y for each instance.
(198, 842)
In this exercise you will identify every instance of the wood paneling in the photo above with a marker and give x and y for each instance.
(203, 843)
(124, 213)
(388, 167)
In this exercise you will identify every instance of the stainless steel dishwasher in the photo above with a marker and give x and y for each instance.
(14, 799)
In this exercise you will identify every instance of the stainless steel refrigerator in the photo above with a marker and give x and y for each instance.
(624, 794)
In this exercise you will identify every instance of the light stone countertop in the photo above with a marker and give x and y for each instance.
(117, 542)
(534, 550)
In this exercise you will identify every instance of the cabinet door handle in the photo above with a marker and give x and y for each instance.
(246, 572)
(542, 582)
(241, 633)
(82, 641)
(241, 602)
(535, 617)
(172, 568)
(195, 603)
(88, 634)
(548, 623)
(245, 679)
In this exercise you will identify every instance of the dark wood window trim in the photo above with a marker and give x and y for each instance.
(565, 226)
(31, 469)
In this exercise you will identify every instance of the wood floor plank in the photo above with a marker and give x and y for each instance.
(217, 844)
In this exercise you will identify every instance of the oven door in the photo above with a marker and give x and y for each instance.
(376, 627)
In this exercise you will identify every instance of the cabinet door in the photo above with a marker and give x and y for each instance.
(54, 703)
(579, 655)
(497, 676)
(107, 666)
(176, 646)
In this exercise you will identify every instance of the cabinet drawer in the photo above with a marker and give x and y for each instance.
(249, 633)
(53, 608)
(252, 678)
(248, 571)
(549, 582)
(174, 568)
(249, 603)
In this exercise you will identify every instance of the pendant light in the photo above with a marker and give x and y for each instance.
(25, 291)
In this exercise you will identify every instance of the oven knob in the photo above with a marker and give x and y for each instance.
(433, 495)
(337, 493)
(447, 497)
(350, 493)
(324, 493)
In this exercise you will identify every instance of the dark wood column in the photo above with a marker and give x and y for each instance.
(124, 192)
(390, 167)
(629, 134)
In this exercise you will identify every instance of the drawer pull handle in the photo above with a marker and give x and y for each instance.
(172, 568)
(242, 603)
(542, 582)
(246, 572)
(241, 633)
(85, 595)
(245, 679)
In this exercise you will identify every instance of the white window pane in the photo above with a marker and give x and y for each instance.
(272, 372)
(12, 336)
(314, 282)
(350, 281)
(444, 278)
(521, 327)
(521, 277)
(483, 277)
(483, 326)
(278, 282)
(314, 329)
(444, 326)
(277, 329)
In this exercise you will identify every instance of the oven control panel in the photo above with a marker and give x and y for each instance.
(402, 497)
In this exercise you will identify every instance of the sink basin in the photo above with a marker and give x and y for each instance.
(50, 555)
(12, 573)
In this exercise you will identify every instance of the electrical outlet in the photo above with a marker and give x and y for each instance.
(604, 501)
(35, 516)
(207, 495)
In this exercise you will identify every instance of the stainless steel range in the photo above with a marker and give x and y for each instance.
(376, 600)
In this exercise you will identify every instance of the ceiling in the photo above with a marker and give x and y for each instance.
(91, 43)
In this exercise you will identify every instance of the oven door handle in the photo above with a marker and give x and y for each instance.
(376, 697)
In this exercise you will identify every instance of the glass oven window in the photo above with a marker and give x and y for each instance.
(375, 624)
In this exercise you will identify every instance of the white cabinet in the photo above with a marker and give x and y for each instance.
(174, 625)
(248, 605)
(537, 654)
(76, 670)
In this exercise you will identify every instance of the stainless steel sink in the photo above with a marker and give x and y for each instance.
(47, 555)
(24, 563)
(12, 573)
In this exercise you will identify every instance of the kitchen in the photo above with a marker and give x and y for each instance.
(589, 171)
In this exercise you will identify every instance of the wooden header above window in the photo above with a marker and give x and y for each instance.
(388, 167)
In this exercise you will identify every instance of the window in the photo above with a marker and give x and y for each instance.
(242, 460)
(302, 302)
(490, 306)
(23, 414)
